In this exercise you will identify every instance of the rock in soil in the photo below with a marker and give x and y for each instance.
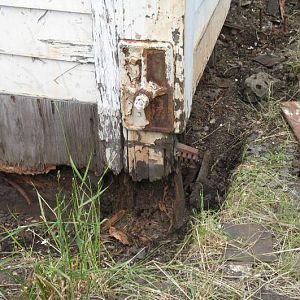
(257, 86)
(248, 243)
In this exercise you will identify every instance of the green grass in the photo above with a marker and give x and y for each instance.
(295, 66)
(78, 266)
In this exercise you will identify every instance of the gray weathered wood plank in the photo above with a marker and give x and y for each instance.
(36, 133)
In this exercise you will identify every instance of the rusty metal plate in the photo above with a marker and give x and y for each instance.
(291, 111)
(147, 83)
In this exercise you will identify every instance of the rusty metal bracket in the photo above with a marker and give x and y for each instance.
(147, 85)
(187, 152)
(147, 75)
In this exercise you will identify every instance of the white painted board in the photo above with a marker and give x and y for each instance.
(203, 12)
(47, 78)
(46, 34)
(203, 22)
(78, 6)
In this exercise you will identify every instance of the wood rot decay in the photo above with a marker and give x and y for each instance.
(147, 106)
(149, 72)
(116, 83)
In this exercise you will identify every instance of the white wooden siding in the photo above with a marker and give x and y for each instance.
(47, 78)
(46, 49)
(68, 49)
(203, 12)
(46, 34)
(77, 6)
(203, 22)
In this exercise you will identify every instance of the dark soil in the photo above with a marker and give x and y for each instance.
(220, 122)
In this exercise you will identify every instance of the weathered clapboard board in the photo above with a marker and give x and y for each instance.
(112, 78)
(40, 133)
(38, 33)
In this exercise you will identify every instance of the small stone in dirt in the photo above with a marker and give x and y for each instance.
(206, 128)
(296, 166)
(212, 121)
(255, 135)
(222, 82)
(197, 127)
(141, 254)
(273, 7)
(256, 150)
(212, 94)
(7, 278)
(248, 243)
(294, 46)
(257, 86)
(268, 60)
(243, 2)
(238, 269)
(265, 294)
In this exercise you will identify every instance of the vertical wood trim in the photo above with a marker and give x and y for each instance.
(107, 79)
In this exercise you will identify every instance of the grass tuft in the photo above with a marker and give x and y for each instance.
(77, 265)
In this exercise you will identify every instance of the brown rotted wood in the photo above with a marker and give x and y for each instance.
(179, 204)
(38, 134)
(201, 180)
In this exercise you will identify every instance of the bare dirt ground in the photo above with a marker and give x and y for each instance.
(222, 121)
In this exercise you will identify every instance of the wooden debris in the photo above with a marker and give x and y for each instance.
(114, 219)
(19, 189)
(232, 25)
(179, 202)
(119, 235)
(202, 179)
(187, 152)
(282, 8)
(291, 111)
(276, 7)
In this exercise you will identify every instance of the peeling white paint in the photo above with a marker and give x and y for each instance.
(68, 49)
(58, 80)
(107, 80)
(138, 22)
(46, 34)
(77, 6)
